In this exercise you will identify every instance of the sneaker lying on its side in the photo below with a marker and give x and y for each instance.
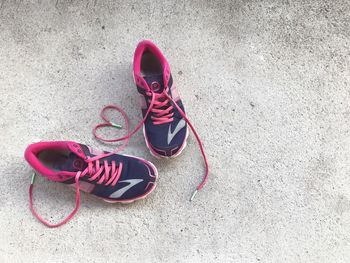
(111, 177)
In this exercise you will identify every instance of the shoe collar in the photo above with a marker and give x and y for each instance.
(140, 49)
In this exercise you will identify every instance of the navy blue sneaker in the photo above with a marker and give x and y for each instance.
(112, 177)
(165, 124)
(165, 128)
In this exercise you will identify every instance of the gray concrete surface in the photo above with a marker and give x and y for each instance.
(266, 84)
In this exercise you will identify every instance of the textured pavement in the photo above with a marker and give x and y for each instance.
(265, 83)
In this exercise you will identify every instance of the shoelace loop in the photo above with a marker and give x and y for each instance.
(162, 111)
(107, 174)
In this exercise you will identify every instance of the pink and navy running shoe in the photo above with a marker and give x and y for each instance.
(165, 129)
(165, 124)
(112, 177)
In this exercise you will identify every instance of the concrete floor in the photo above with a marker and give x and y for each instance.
(265, 83)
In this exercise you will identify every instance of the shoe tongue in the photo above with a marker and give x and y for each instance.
(155, 82)
(72, 163)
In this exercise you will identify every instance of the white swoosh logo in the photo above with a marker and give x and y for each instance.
(121, 191)
(179, 126)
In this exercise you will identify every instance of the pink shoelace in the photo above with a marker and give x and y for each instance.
(159, 116)
(108, 174)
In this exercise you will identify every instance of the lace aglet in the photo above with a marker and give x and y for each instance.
(116, 125)
(33, 178)
(194, 194)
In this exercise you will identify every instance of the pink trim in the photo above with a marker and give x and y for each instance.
(140, 49)
(76, 148)
(31, 156)
(149, 183)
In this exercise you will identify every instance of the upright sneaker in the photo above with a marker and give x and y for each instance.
(165, 124)
(165, 129)
(112, 177)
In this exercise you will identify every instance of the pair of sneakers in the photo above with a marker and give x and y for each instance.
(113, 177)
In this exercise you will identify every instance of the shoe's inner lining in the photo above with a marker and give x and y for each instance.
(150, 64)
(54, 159)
